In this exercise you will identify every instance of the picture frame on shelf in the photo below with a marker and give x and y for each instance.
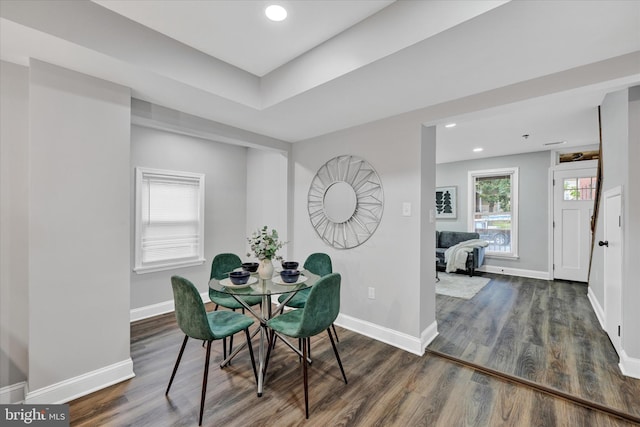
(446, 202)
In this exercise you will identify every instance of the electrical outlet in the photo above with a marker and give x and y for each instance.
(372, 293)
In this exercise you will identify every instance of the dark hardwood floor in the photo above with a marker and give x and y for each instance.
(542, 331)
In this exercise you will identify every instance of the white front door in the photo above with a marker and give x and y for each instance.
(574, 191)
(612, 246)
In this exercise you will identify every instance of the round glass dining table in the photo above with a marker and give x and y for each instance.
(264, 288)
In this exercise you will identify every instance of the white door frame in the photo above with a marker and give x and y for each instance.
(612, 298)
(586, 164)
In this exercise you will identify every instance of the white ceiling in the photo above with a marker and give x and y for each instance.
(498, 69)
(237, 31)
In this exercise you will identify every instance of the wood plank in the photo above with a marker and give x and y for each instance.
(544, 331)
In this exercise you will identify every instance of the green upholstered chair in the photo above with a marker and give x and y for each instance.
(196, 323)
(319, 312)
(221, 265)
(317, 263)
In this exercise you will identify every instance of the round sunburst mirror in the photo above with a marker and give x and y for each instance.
(345, 201)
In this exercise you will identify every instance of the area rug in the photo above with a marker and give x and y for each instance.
(459, 285)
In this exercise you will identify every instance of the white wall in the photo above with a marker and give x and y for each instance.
(394, 148)
(79, 228)
(14, 167)
(225, 169)
(533, 205)
(631, 314)
(620, 155)
(266, 193)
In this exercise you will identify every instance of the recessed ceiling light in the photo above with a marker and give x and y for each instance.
(276, 12)
(555, 143)
(477, 150)
(450, 125)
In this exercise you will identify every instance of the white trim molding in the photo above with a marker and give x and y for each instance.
(397, 339)
(84, 384)
(13, 393)
(152, 310)
(629, 366)
(533, 274)
(428, 335)
(597, 308)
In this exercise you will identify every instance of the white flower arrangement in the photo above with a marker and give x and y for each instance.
(264, 245)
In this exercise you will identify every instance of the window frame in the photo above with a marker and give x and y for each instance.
(513, 172)
(142, 173)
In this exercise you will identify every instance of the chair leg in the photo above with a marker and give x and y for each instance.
(305, 377)
(253, 360)
(224, 348)
(204, 381)
(175, 368)
(272, 344)
(335, 350)
(334, 332)
(225, 341)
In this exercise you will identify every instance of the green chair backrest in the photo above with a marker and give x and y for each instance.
(222, 264)
(190, 312)
(322, 306)
(319, 264)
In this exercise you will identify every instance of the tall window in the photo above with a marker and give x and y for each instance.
(493, 209)
(169, 220)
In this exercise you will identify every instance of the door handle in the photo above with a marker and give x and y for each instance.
(605, 243)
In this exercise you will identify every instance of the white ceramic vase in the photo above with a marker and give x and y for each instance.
(265, 269)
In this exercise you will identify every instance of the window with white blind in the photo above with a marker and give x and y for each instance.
(169, 220)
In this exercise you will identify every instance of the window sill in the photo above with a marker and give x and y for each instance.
(500, 256)
(168, 266)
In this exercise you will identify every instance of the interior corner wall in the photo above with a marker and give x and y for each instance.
(614, 117)
(392, 147)
(266, 192)
(427, 229)
(14, 143)
(79, 229)
(224, 167)
(533, 208)
(620, 113)
(631, 250)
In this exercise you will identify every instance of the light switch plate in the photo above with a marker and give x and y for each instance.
(406, 209)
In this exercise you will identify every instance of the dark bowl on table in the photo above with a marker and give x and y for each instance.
(289, 265)
(251, 267)
(289, 276)
(239, 277)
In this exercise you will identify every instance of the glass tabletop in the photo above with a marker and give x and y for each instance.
(258, 286)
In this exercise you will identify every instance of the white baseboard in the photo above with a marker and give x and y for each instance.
(597, 308)
(533, 274)
(158, 309)
(428, 335)
(79, 386)
(389, 336)
(13, 393)
(629, 366)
